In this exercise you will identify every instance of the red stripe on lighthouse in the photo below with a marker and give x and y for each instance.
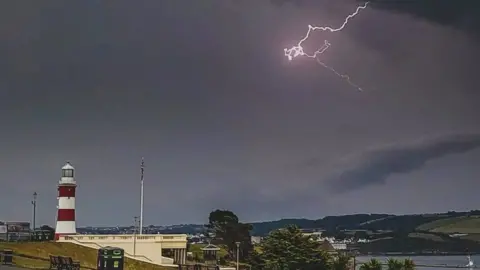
(66, 215)
(66, 191)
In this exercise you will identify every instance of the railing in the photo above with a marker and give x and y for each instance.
(99, 246)
(147, 238)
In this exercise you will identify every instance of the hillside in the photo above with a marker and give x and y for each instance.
(454, 232)
(368, 222)
(38, 253)
(420, 243)
(460, 225)
(465, 227)
(371, 222)
(431, 226)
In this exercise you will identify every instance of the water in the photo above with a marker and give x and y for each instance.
(454, 261)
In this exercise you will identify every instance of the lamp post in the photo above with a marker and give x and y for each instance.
(135, 236)
(238, 252)
(34, 203)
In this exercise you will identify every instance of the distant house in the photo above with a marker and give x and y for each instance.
(15, 231)
(327, 246)
(256, 239)
(339, 246)
(316, 232)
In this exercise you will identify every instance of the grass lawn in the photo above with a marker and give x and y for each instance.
(86, 256)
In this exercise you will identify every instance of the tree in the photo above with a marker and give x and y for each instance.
(341, 262)
(361, 235)
(256, 260)
(47, 228)
(289, 248)
(226, 229)
(219, 222)
(341, 235)
(394, 264)
(408, 264)
(373, 264)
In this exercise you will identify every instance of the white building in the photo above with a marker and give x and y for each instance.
(256, 239)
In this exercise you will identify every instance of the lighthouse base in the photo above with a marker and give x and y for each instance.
(57, 235)
(65, 228)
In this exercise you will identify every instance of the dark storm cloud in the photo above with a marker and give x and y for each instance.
(282, 2)
(460, 14)
(202, 90)
(376, 166)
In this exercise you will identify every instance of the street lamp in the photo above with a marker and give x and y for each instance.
(135, 236)
(34, 203)
(238, 252)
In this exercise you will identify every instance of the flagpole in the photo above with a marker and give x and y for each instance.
(141, 197)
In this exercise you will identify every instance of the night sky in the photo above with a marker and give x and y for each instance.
(202, 91)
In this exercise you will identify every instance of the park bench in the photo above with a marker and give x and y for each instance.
(54, 262)
(63, 263)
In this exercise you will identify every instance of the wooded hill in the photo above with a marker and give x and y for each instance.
(451, 231)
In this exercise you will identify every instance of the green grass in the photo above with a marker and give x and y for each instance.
(472, 237)
(30, 263)
(86, 256)
(426, 236)
(465, 225)
(431, 226)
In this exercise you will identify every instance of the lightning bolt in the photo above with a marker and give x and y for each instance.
(297, 50)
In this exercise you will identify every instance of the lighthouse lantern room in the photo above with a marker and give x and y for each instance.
(66, 202)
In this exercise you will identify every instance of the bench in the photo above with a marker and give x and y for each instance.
(63, 263)
(54, 262)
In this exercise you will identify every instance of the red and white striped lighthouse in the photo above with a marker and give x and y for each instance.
(66, 202)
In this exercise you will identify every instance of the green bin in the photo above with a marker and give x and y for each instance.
(7, 256)
(110, 258)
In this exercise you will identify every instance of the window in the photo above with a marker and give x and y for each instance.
(67, 173)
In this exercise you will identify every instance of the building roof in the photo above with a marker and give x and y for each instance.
(327, 246)
(211, 247)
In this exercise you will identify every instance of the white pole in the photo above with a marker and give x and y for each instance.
(135, 236)
(141, 199)
(238, 254)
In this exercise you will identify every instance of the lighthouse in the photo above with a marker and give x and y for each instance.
(66, 202)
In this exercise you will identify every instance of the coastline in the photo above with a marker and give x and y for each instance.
(418, 254)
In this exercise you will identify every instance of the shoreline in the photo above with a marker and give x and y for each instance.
(415, 254)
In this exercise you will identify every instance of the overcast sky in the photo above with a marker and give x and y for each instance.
(202, 90)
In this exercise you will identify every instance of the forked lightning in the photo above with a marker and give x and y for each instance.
(297, 50)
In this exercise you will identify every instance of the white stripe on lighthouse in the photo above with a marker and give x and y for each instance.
(65, 227)
(66, 203)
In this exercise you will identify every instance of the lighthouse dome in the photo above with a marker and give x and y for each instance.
(68, 166)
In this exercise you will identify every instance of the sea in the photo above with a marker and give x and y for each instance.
(430, 262)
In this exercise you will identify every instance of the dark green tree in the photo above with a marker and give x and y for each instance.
(361, 235)
(256, 261)
(47, 228)
(373, 264)
(289, 248)
(226, 229)
(342, 262)
(220, 221)
(408, 264)
(393, 264)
